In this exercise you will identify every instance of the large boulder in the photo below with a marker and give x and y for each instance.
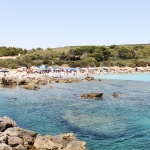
(23, 81)
(43, 143)
(31, 86)
(76, 145)
(14, 141)
(64, 139)
(26, 135)
(5, 147)
(3, 137)
(92, 95)
(7, 80)
(69, 142)
(5, 123)
(18, 137)
(89, 78)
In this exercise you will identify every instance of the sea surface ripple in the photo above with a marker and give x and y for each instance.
(111, 123)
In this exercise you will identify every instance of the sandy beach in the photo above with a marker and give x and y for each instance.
(83, 72)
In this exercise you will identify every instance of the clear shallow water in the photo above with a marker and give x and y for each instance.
(111, 123)
(129, 76)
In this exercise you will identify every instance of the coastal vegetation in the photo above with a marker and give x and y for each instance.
(78, 56)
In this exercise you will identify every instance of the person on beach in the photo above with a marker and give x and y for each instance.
(29, 71)
(75, 71)
(45, 73)
(64, 70)
(86, 73)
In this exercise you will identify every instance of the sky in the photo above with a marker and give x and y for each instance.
(58, 23)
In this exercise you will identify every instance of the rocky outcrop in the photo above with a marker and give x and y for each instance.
(31, 86)
(13, 137)
(5, 123)
(44, 143)
(89, 78)
(5, 147)
(76, 145)
(92, 96)
(8, 80)
(33, 82)
(70, 142)
(23, 81)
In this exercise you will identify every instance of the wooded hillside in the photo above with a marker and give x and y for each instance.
(78, 56)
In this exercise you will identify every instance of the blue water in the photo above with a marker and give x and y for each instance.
(121, 123)
(129, 76)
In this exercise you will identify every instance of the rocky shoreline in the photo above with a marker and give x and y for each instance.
(35, 80)
(32, 81)
(13, 137)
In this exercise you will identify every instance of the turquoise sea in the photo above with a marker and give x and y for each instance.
(121, 123)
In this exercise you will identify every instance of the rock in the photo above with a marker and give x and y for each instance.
(26, 135)
(115, 95)
(52, 81)
(20, 147)
(5, 147)
(49, 137)
(92, 95)
(63, 80)
(49, 87)
(42, 82)
(89, 78)
(64, 139)
(16, 138)
(68, 136)
(31, 86)
(14, 141)
(23, 81)
(3, 137)
(42, 143)
(6, 81)
(5, 123)
(76, 145)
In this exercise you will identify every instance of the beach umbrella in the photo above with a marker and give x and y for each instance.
(49, 68)
(76, 69)
(42, 67)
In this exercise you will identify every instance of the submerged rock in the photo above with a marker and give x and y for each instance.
(42, 81)
(92, 95)
(89, 78)
(13, 137)
(115, 95)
